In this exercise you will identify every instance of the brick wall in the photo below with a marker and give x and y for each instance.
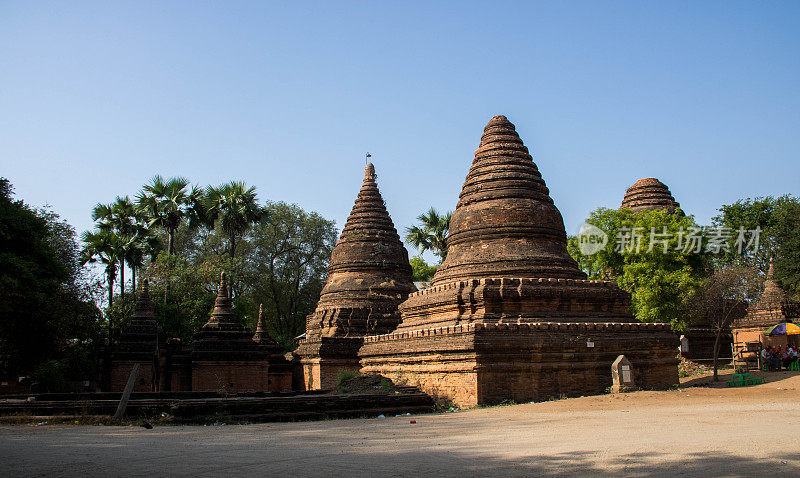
(121, 370)
(239, 376)
(480, 364)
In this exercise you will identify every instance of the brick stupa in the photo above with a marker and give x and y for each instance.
(772, 308)
(139, 342)
(509, 314)
(649, 194)
(225, 357)
(368, 277)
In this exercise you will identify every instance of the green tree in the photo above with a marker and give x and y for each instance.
(649, 254)
(422, 272)
(778, 221)
(721, 297)
(431, 233)
(169, 203)
(102, 247)
(285, 268)
(234, 207)
(45, 308)
(123, 219)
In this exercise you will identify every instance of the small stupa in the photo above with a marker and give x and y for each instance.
(226, 358)
(261, 336)
(368, 277)
(509, 314)
(139, 342)
(772, 307)
(649, 194)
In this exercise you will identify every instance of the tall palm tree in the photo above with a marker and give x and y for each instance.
(235, 208)
(123, 219)
(431, 234)
(167, 203)
(146, 245)
(102, 247)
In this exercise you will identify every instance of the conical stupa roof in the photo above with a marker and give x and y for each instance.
(648, 194)
(142, 334)
(505, 223)
(261, 336)
(224, 337)
(369, 263)
(773, 297)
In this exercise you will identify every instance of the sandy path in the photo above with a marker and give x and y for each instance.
(688, 432)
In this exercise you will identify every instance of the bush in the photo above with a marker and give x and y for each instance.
(51, 377)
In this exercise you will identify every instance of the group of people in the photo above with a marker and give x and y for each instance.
(776, 357)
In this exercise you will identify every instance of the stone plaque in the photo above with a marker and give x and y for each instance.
(621, 375)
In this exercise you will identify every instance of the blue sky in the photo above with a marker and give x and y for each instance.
(96, 98)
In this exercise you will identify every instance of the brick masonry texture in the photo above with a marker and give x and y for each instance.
(509, 315)
(649, 194)
(368, 277)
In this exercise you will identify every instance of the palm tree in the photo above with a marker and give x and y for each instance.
(122, 218)
(102, 247)
(431, 234)
(167, 203)
(145, 245)
(235, 208)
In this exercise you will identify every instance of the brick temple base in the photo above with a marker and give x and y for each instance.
(239, 376)
(484, 364)
(325, 358)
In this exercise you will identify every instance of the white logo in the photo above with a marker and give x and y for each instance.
(591, 239)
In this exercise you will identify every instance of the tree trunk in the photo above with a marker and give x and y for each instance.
(233, 246)
(133, 282)
(122, 279)
(171, 234)
(110, 273)
(716, 353)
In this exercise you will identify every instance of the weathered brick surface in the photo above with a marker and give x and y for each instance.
(121, 370)
(368, 277)
(488, 364)
(238, 376)
(227, 356)
(510, 316)
(138, 343)
(649, 194)
(773, 306)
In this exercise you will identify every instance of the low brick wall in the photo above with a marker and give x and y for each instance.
(193, 407)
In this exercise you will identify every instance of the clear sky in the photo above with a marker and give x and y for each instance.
(96, 98)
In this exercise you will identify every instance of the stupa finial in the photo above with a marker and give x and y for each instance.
(223, 285)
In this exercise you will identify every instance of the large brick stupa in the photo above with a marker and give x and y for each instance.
(509, 314)
(368, 277)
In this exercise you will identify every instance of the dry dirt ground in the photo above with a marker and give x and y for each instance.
(693, 431)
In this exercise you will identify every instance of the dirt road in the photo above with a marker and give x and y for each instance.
(689, 432)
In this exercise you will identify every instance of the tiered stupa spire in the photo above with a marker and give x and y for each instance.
(648, 194)
(505, 223)
(224, 335)
(507, 256)
(369, 273)
(261, 335)
(142, 331)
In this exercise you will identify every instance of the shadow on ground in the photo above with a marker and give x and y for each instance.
(708, 380)
(130, 453)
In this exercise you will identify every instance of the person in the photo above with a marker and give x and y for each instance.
(773, 359)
